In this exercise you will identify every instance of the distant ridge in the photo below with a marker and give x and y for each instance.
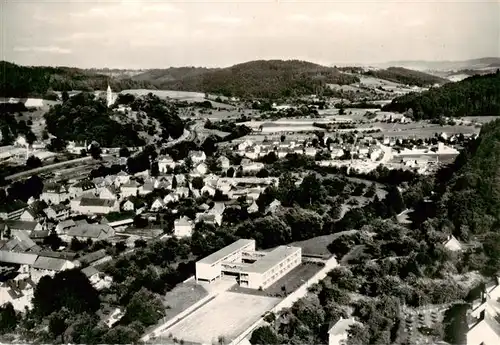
(422, 65)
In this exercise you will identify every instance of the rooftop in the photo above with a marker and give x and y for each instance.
(92, 257)
(90, 271)
(274, 257)
(47, 263)
(97, 202)
(89, 230)
(17, 258)
(222, 253)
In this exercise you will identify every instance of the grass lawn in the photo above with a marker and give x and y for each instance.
(318, 245)
(181, 297)
(292, 281)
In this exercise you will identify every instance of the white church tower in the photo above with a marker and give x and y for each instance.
(109, 97)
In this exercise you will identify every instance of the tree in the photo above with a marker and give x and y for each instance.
(121, 335)
(262, 173)
(145, 307)
(282, 138)
(124, 152)
(57, 145)
(58, 323)
(95, 151)
(174, 182)
(264, 335)
(197, 182)
(230, 172)
(64, 96)
(33, 162)
(8, 318)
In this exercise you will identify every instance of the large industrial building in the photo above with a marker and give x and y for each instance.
(254, 269)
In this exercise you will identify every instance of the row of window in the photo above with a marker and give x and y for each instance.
(281, 272)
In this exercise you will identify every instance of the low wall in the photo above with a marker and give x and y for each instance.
(291, 298)
(161, 328)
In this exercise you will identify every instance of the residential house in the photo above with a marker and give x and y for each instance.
(81, 187)
(94, 232)
(253, 208)
(165, 163)
(39, 236)
(208, 189)
(253, 193)
(92, 274)
(337, 335)
(248, 166)
(121, 178)
(95, 206)
(54, 193)
(134, 204)
(57, 212)
(171, 197)
(130, 188)
(201, 169)
(252, 152)
(109, 192)
(273, 207)
(147, 188)
(452, 244)
(93, 259)
(183, 227)
(21, 242)
(28, 215)
(64, 226)
(197, 157)
(49, 266)
(182, 192)
(244, 145)
(310, 151)
(217, 211)
(24, 260)
(181, 180)
(164, 182)
(157, 205)
(21, 225)
(224, 162)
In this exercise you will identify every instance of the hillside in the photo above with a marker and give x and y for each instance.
(406, 76)
(160, 76)
(444, 65)
(265, 79)
(22, 81)
(83, 117)
(474, 96)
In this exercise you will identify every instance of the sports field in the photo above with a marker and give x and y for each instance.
(228, 315)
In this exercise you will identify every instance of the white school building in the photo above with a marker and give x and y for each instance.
(253, 269)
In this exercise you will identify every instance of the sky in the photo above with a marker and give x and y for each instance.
(159, 34)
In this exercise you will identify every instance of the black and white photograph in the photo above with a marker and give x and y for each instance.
(259, 172)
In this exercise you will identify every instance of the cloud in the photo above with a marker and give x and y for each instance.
(222, 20)
(415, 23)
(94, 12)
(43, 49)
(345, 18)
(161, 7)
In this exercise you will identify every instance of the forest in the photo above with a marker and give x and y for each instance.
(83, 117)
(263, 79)
(474, 96)
(406, 76)
(38, 81)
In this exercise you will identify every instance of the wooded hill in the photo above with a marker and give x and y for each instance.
(474, 96)
(24, 81)
(406, 76)
(263, 79)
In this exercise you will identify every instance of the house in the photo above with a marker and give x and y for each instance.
(54, 193)
(164, 182)
(21, 242)
(95, 206)
(273, 207)
(197, 157)
(49, 266)
(166, 163)
(147, 188)
(201, 169)
(217, 211)
(337, 335)
(109, 192)
(183, 227)
(249, 166)
(94, 232)
(121, 178)
(28, 215)
(25, 260)
(171, 197)
(130, 188)
(93, 259)
(244, 145)
(64, 226)
(57, 212)
(157, 205)
(181, 180)
(21, 225)
(81, 187)
(39, 236)
(452, 244)
(253, 208)
(310, 151)
(224, 162)
(133, 204)
(92, 274)
(208, 189)
(182, 192)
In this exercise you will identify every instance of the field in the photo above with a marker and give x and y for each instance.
(182, 297)
(228, 315)
(318, 245)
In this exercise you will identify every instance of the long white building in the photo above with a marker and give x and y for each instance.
(253, 269)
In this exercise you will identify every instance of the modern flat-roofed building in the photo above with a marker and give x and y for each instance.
(253, 269)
